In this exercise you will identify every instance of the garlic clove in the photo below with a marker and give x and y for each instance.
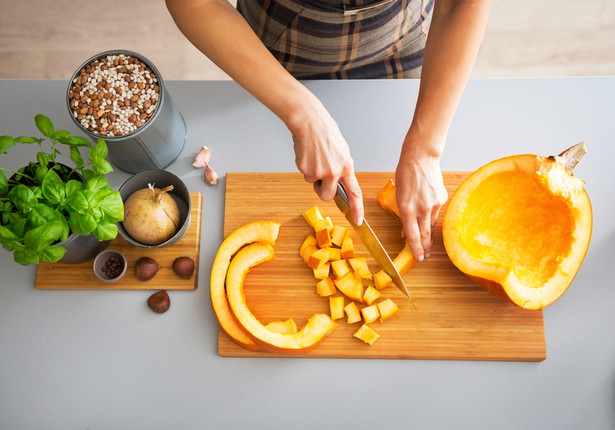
(209, 175)
(202, 158)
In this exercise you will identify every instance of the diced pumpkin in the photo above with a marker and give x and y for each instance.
(350, 287)
(336, 306)
(308, 246)
(283, 327)
(323, 271)
(370, 314)
(371, 295)
(338, 235)
(388, 309)
(325, 287)
(339, 268)
(360, 267)
(347, 250)
(317, 258)
(366, 334)
(520, 226)
(323, 235)
(312, 216)
(352, 313)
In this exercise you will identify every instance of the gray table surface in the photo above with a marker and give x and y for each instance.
(103, 360)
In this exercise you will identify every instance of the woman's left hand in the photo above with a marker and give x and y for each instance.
(420, 195)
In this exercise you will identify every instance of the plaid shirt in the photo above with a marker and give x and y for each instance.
(314, 42)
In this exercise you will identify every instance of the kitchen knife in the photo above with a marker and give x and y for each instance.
(370, 241)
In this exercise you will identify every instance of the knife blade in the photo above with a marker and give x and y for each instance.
(370, 240)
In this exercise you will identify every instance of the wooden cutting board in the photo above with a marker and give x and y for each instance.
(449, 317)
(57, 276)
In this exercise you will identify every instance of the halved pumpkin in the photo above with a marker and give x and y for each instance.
(520, 227)
(258, 231)
(317, 327)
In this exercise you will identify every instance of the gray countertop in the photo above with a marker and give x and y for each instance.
(102, 360)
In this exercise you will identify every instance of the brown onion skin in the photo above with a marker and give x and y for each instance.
(151, 216)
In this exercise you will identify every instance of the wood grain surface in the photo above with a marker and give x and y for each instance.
(449, 317)
(57, 276)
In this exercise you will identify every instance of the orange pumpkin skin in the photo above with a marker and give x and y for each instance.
(520, 227)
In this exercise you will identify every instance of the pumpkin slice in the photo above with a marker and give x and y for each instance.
(258, 231)
(317, 327)
(520, 227)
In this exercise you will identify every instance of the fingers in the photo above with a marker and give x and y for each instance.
(355, 197)
(325, 189)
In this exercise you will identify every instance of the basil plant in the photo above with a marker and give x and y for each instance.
(42, 203)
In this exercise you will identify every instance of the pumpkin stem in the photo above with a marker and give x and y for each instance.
(571, 157)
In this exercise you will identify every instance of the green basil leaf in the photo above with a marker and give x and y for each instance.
(7, 234)
(40, 172)
(82, 224)
(53, 188)
(97, 184)
(75, 156)
(79, 202)
(87, 174)
(106, 231)
(19, 226)
(4, 183)
(62, 136)
(52, 253)
(43, 236)
(78, 141)
(42, 159)
(25, 256)
(23, 198)
(28, 139)
(99, 151)
(42, 214)
(44, 125)
(113, 207)
(73, 187)
(101, 167)
(5, 143)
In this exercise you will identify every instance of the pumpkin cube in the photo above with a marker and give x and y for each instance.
(336, 306)
(350, 287)
(360, 267)
(317, 258)
(370, 314)
(366, 334)
(352, 313)
(283, 327)
(323, 271)
(308, 243)
(338, 235)
(371, 295)
(312, 215)
(325, 287)
(339, 268)
(323, 235)
(388, 309)
(382, 280)
(347, 248)
(334, 254)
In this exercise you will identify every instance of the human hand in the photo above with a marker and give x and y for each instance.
(420, 194)
(323, 157)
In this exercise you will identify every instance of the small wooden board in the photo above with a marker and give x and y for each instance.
(57, 276)
(450, 317)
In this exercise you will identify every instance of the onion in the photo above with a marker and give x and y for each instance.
(151, 216)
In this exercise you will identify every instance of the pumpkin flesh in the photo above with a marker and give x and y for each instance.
(520, 227)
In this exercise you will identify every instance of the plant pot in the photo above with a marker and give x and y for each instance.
(80, 249)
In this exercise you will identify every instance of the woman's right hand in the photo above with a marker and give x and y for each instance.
(323, 156)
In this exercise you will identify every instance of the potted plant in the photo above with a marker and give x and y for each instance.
(44, 203)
